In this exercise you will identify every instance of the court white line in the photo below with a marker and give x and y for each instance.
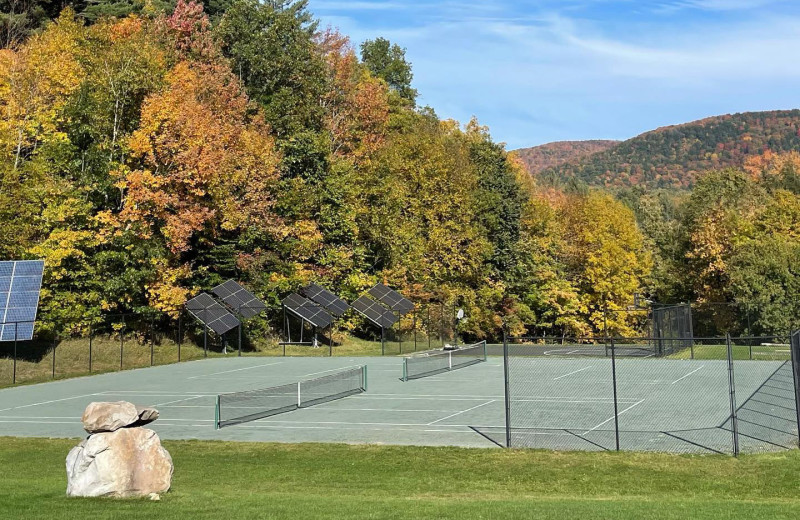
(573, 372)
(235, 370)
(48, 402)
(459, 413)
(178, 401)
(151, 393)
(612, 417)
(687, 375)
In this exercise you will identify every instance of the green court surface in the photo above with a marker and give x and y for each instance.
(556, 403)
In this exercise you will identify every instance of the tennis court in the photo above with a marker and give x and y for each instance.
(563, 398)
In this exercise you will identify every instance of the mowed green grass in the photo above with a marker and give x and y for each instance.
(232, 481)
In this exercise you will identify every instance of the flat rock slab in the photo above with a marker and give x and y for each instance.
(129, 462)
(146, 415)
(109, 417)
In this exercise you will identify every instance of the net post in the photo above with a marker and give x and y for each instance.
(506, 386)
(216, 414)
(732, 388)
(298, 394)
(450, 360)
(614, 381)
(794, 351)
(405, 369)
(485, 357)
(364, 376)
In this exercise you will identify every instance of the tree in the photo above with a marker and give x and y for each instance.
(388, 62)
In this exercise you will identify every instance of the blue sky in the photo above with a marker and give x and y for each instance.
(546, 70)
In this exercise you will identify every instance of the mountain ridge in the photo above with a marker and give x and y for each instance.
(674, 156)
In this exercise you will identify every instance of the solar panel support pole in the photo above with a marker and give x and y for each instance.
(240, 339)
(383, 347)
(614, 381)
(14, 376)
(205, 340)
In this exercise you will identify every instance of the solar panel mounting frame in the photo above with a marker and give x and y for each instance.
(308, 311)
(20, 289)
(240, 300)
(212, 314)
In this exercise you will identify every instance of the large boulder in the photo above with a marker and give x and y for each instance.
(109, 417)
(124, 463)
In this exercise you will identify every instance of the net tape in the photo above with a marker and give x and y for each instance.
(239, 407)
(439, 361)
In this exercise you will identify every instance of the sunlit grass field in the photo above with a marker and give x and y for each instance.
(247, 481)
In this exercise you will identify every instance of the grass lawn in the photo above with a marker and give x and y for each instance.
(232, 481)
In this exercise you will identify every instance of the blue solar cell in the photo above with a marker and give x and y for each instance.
(26, 283)
(23, 299)
(6, 268)
(24, 332)
(5, 283)
(17, 314)
(29, 268)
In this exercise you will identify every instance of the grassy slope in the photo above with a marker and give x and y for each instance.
(245, 481)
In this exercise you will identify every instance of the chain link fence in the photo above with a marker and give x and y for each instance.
(714, 395)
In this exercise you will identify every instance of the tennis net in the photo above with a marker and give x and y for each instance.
(250, 405)
(438, 361)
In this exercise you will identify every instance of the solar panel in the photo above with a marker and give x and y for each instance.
(20, 285)
(211, 313)
(375, 312)
(307, 310)
(242, 301)
(392, 299)
(321, 296)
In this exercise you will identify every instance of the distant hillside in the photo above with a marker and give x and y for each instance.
(674, 156)
(548, 155)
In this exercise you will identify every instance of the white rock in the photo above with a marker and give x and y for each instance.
(146, 415)
(108, 417)
(124, 463)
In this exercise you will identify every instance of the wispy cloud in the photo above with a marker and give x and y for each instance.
(546, 70)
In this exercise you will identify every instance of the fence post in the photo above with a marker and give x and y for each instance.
(506, 385)
(205, 340)
(414, 324)
(54, 355)
(152, 340)
(794, 349)
(614, 381)
(91, 335)
(121, 341)
(180, 336)
(732, 388)
(691, 347)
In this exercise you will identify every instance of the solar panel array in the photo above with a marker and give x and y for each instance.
(242, 301)
(392, 299)
(211, 313)
(307, 310)
(323, 297)
(20, 285)
(375, 312)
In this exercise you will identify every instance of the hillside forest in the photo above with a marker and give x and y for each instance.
(153, 151)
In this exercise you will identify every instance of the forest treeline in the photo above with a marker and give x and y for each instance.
(151, 153)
